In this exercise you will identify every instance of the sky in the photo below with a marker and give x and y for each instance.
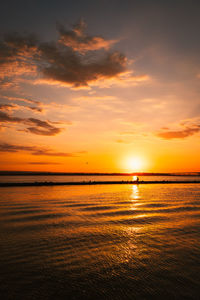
(100, 86)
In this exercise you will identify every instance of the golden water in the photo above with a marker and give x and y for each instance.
(100, 242)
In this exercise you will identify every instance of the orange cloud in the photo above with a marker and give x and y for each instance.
(7, 107)
(37, 126)
(11, 107)
(179, 134)
(122, 141)
(80, 42)
(22, 99)
(35, 150)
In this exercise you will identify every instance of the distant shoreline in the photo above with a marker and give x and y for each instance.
(46, 183)
(36, 173)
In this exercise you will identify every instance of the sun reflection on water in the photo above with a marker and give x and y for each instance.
(135, 192)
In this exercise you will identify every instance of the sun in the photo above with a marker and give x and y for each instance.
(134, 164)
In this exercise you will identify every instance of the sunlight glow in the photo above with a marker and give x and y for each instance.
(134, 164)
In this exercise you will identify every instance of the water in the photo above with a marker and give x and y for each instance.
(100, 242)
(75, 178)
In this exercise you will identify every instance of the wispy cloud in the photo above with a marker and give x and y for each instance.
(188, 130)
(7, 107)
(11, 107)
(35, 150)
(21, 99)
(35, 126)
(120, 141)
(16, 57)
(43, 163)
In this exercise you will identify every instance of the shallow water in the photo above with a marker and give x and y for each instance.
(100, 242)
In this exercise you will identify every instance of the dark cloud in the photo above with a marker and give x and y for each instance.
(33, 108)
(6, 107)
(4, 117)
(37, 126)
(19, 44)
(43, 163)
(16, 49)
(47, 131)
(11, 107)
(17, 57)
(59, 62)
(81, 42)
(48, 152)
(34, 150)
(7, 53)
(22, 99)
(36, 108)
(69, 68)
(179, 134)
(4, 147)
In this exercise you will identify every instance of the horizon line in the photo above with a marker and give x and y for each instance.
(8, 172)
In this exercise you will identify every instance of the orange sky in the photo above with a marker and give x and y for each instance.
(82, 100)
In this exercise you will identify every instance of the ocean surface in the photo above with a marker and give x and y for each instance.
(100, 242)
(80, 178)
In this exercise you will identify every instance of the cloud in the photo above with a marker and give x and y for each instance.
(79, 41)
(38, 106)
(64, 62)
(37, 126)
(33, 108)
(120, 141)
(48, 152)
(179, 134)
(123, 79)
(35, 150)
(43, 163)
(16, 57)
(70, 69)
(94, 98)
(11, 107)
(40, 131)
(22, 99)
(7, 107)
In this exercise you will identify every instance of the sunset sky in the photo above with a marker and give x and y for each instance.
(100, 86)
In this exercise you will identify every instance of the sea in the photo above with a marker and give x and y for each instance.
(99, 241)
(87, 178)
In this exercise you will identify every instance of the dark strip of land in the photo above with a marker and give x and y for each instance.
(47, 183)
(36, 173)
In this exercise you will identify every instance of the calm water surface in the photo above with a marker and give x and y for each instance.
(75, 178)
(100, 242)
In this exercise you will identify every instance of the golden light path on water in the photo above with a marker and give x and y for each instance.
(116, 241)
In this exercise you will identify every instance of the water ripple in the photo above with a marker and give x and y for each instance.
(100, 242)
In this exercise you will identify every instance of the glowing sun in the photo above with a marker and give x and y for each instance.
(134, 164)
